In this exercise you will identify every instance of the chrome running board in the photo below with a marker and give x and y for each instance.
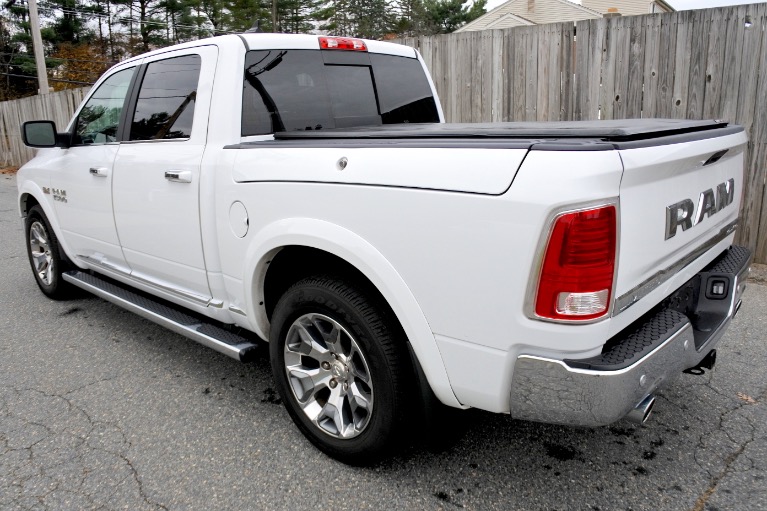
(168, 315)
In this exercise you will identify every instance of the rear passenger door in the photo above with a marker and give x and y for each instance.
(157, 173)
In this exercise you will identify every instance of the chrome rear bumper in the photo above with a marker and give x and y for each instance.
(642, 359)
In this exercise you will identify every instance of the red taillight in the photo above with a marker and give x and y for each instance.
(342, 43)
(577, 273)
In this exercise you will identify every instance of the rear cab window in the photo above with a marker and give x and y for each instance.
(291, 90)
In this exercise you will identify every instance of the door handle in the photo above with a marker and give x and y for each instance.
(179, 176)
(99, 171)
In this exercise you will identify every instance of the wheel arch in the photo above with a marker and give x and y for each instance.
(30, 195)
(26, 202)
(280, 245)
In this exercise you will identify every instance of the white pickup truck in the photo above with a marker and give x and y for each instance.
(304, 190)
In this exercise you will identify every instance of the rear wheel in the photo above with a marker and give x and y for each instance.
(340, 362)
(44, 255)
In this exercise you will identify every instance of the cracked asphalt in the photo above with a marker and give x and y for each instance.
(100, 409)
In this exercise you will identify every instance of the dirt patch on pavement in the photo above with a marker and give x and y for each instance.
(758, 273)
(8, 170)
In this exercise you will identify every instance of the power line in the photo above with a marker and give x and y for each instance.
(79, 71)
(125, 19)
(59, 58)
(11, 62)
(50, 79)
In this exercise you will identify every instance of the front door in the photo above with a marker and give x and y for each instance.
(157, 173)
(82, 183)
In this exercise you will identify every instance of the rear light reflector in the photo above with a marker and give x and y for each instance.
(342, 43)
(578, 267)
(582, 304)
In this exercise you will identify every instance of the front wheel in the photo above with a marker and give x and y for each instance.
(44, 255)
(340, 362)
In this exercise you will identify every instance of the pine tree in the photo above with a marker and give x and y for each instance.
(68, 26)
(244, 14)
(215, 13)
(14, 35)
(300, 16)
(371, 19)
(338, 20)
(18, 56)
(181, 20)
(446, 16)
(412, 20)
(145, 22)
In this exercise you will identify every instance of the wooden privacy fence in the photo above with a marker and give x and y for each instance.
(57, 107)
(709, 63)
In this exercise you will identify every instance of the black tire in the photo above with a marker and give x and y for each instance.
(382, 344)
(48, 277)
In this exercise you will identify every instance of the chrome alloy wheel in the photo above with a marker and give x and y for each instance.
(329, 375)
(41, 252)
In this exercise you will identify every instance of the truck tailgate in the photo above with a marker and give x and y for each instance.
(677, 201)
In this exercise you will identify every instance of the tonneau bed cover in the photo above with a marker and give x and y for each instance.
(629, 130)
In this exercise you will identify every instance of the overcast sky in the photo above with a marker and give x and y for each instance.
(679, 5)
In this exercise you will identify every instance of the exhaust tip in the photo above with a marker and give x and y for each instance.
(737, 308)
(642, 411)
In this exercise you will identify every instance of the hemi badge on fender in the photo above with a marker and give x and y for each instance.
(682, 214)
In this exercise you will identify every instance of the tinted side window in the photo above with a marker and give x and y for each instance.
(165, 106)
(403, 90)
(284, 90)
(98, 120)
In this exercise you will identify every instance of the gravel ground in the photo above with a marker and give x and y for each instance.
(100, 409)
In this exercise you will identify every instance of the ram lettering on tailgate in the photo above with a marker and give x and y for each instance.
(681, 213)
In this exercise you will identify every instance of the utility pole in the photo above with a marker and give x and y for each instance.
(274, 16)
(37, 43)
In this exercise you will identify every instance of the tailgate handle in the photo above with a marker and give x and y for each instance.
(715, 157)
(179, 176)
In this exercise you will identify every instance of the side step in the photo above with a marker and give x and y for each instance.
(168, 315)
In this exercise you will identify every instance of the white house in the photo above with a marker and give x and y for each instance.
(515, 13)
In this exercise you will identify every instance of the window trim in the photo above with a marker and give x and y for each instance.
(126, 121)
(119, 135)
(130, 111)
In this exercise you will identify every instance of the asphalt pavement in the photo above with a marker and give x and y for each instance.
(100, 409)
